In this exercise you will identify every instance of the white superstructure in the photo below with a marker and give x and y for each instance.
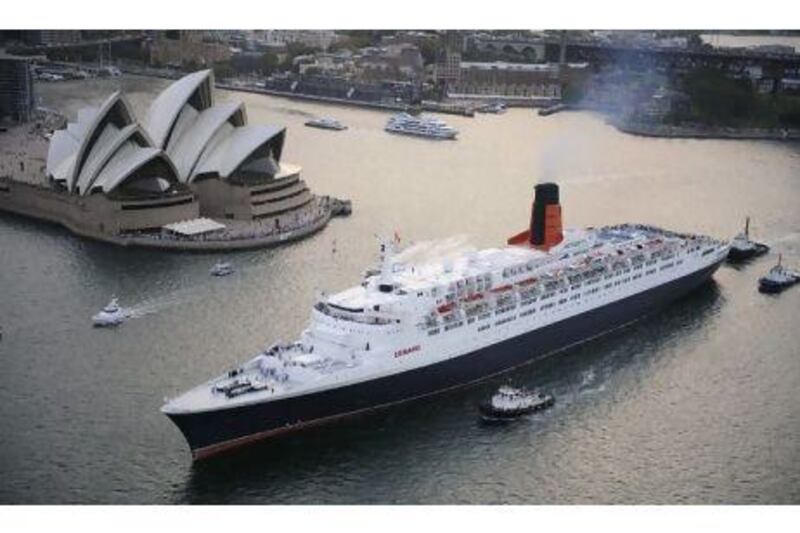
(409, 315)
(422, 126)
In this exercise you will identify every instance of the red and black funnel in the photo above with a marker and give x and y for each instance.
(545, 230)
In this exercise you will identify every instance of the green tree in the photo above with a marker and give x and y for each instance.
(717, 99)
(269, 62)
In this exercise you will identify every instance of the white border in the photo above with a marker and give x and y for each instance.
(402, 519)
(352, 14)
(377, 14)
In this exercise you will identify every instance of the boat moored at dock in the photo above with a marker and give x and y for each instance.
(411, 330)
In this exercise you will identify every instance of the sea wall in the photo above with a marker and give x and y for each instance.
(101, 219)
(705, 132)
(95, 216)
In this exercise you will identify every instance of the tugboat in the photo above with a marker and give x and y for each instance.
(509, 403)
(221, 269)
(326, 123)
(777, 279)
(111, 315)
(743, 248)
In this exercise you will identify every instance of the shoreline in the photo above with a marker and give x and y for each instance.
(32, 202)
(704, 132)
(445, 107)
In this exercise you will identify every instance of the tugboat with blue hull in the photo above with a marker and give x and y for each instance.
(778, 278)
(410, 331)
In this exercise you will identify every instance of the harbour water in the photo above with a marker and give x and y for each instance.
(697, 404)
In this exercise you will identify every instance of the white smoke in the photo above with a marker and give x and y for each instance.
(558, 154)
(436, 251)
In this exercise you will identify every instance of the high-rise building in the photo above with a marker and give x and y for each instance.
(16, 89)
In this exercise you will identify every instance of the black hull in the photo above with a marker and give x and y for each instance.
(770, 287)
(759, 249)
(491, 414)
(212, 432)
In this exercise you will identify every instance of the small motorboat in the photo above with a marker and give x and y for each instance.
(222, 269)
(111, 315)
(778, 278)
(326, 123)
(509, 403)
(742, 248)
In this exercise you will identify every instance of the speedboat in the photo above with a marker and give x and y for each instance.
(509, 403)
(326, 123)
(777, 279)
(221, 269)
(743, 248)
(111, 315)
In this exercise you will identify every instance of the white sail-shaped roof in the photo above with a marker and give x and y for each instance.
(235, 148)
(126, 162)
(104, 151)
(186, 146)
(82, 142)
(186, 135)
(203, 138)
(103, 148)
(193, 90)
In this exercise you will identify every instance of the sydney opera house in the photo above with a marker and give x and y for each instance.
(110, 175)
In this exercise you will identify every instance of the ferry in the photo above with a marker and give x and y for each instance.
(409, 331)
(422, 126)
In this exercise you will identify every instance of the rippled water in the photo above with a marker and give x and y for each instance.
(697, 404)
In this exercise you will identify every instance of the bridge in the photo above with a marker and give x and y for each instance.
(596, 51)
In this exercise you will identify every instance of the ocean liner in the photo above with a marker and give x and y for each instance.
(409, 331)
